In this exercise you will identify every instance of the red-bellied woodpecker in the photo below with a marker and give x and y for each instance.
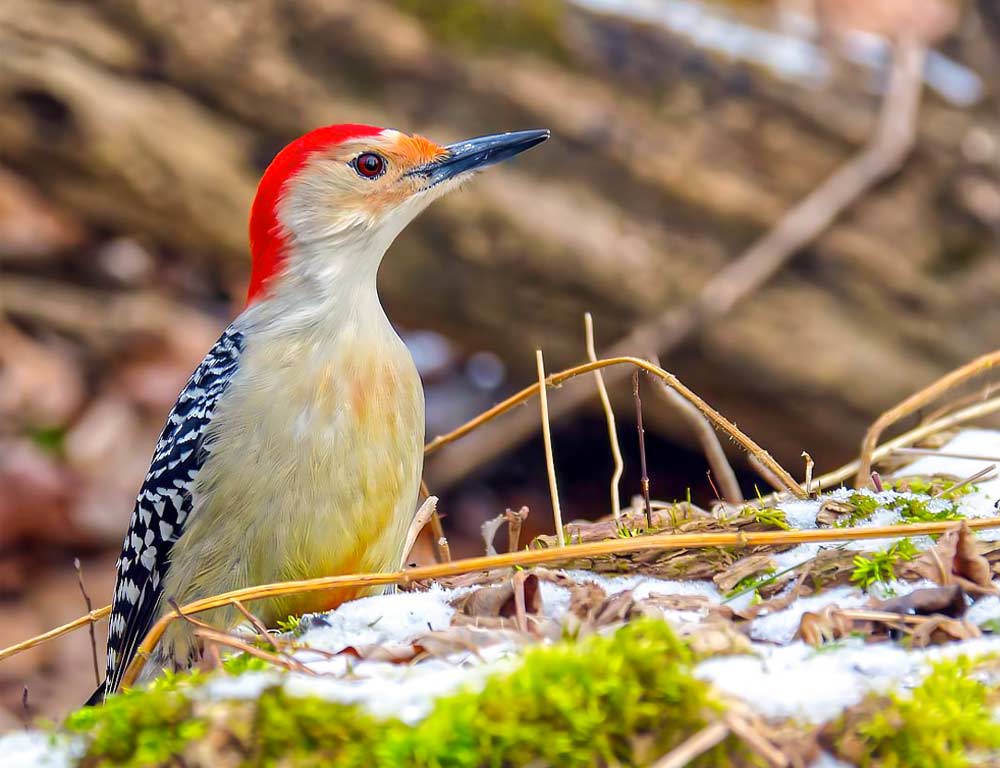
(296, 448)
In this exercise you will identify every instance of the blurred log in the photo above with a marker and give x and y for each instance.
(157, 118)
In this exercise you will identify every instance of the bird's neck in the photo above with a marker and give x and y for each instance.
(327, 290)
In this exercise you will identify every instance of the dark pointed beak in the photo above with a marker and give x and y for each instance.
(473, 154)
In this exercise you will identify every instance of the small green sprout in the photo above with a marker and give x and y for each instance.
(880, 567)
(289, 625)
(753, 582)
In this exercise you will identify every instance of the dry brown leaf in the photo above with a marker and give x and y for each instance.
(715, 638)
(393, 653)
(948, 601)
(969, 563)
(817, 628)
(955, 559)
(499, 600)
(586, 599)
(832, 511)
(741, 569)
(469, 639)
(941, 629)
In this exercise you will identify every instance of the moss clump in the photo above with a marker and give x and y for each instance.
(619, 700)
(947, 722)
(912, 508)
(576, 704)
(140, 727)
(931, 486)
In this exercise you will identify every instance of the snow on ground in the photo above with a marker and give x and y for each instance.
(782, 677)
(816, 684)
(37, 749)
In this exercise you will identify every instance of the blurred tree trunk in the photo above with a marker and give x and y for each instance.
(157, 118)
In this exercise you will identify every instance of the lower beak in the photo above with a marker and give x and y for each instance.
(473, 154)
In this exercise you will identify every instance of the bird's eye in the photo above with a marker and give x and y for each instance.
(369, 165)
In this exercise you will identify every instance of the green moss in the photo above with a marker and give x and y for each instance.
(770, 517)
(238, 663)
(930, 485)
(947, 722)
(290, 624)
(141, 727)
(752, 583)
(533, 25)
(619, 700)
(880, 567)
(574, 704)
(912, 507)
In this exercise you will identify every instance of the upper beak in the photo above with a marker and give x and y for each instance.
(472, 154)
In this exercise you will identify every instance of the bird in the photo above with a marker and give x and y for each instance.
(295, 450)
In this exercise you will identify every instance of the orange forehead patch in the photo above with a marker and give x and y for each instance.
(416, 150)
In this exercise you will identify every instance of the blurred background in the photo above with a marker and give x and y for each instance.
(132, 134)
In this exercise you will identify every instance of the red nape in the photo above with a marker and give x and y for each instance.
(267, 241)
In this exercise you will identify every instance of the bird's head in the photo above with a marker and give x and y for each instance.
(332, 201)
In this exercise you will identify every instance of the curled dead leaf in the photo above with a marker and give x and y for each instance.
(948, 601)
(817, 628)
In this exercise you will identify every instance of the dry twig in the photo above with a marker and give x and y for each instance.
(709, 441)
(550, 466)
(644, 478)
(970, 413)
(526, 557)
(943, 454)
(694, 746)
(609, 416)
(787, 482)
(985, 471)
(437, 529)
(915, 402)
(90, 609)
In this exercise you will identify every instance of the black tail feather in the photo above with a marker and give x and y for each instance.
(97, 697)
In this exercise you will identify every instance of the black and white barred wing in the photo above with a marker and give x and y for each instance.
(163, 506)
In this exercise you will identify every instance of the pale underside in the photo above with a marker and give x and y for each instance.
(314, 467)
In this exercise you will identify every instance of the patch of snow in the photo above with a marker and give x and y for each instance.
(555, 600)
(247, 686)
(826, 760)
(971, 442)
(389, 620)
(644, 586)
(815, 685)
(781, 627)
(801, 513)
(38, 749)
(401, 690)
(983, 610)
